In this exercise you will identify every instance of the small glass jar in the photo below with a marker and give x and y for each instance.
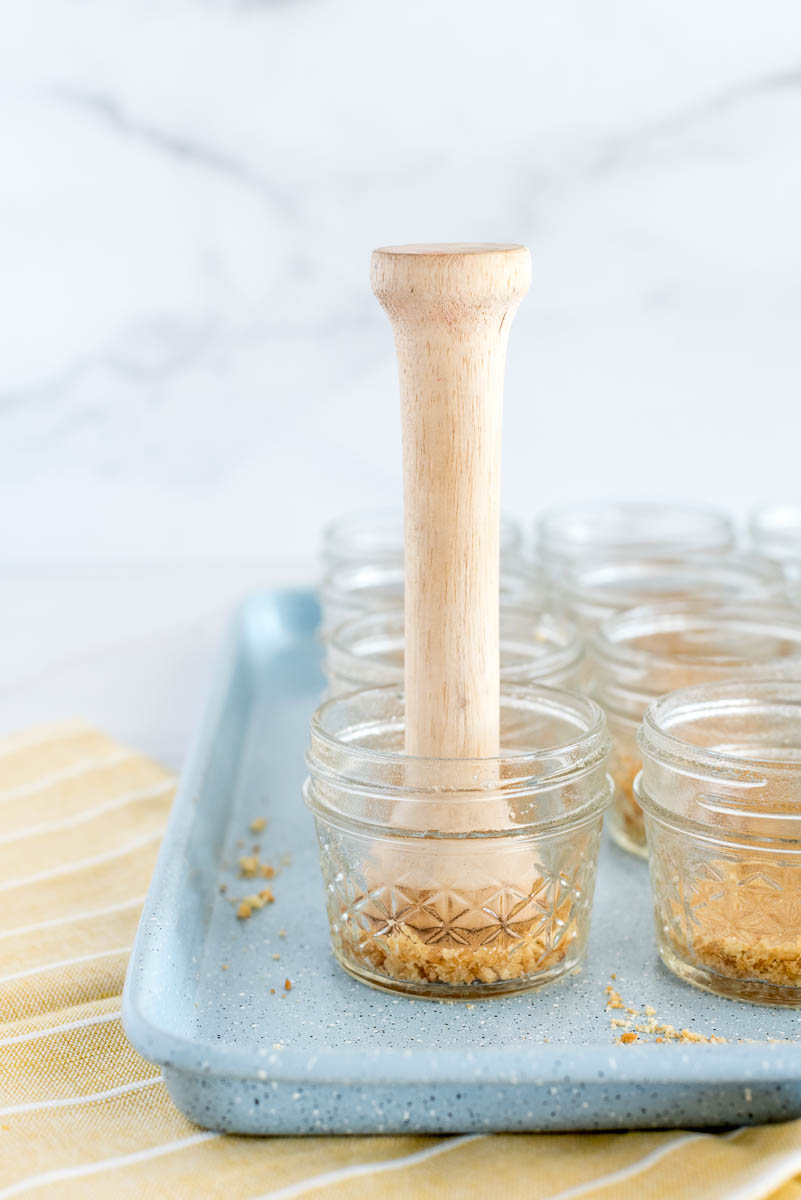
(775, 531)
(640, 655)
(721, 791)
(608, 529)
(459, 878)
(590, 593)
(367, 652)
(350, 591)
(377, 536)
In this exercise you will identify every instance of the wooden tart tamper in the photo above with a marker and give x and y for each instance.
(451, 308)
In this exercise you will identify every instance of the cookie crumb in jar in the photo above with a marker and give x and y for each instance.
(746, 926)
(624, 770)
(430, 947)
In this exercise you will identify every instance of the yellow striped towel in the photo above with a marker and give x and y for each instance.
(82, 1115)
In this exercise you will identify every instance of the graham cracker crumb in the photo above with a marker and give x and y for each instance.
(258, 824)
(272, 991)
(287, 985)
(276, 957)
(250, 866)
(224, 966)
(650, 1028)
(244, 911)
(624, 770)
(740, 918)
(415, 954)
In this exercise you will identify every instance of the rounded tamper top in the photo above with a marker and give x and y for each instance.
(450, 280)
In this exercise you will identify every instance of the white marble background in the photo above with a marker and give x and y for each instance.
(194, 373)
(192, 366)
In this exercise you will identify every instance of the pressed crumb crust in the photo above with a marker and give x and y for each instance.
(746, 924)
(624, 771)
(429, 954)
(759, 959)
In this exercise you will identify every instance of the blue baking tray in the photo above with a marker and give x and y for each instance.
(334, 1056)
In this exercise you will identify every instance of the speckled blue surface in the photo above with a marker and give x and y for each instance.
(333, 1056)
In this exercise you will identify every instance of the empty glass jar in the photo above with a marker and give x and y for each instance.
(608, 529)
(377, 536)
(590, 593)
(459, 878)
(721, 792)
(775, 530)
(644, 653)
(535, 648)
(350, 591)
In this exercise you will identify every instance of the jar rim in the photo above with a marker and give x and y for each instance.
(697, 527)
(777, 523)
(339, 579)
(587, 748)
(518, 625)
(581, 584)
(657, 740)
(608, 642)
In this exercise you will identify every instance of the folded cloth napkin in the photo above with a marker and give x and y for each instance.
(82, 1115)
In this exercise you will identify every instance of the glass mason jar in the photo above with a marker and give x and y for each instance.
(775, 531)
(459, 878)
(590, 593)
(721, 791)
(376, 536)
(608, 529)
(640, 655)
(367, 652)
(350, 591)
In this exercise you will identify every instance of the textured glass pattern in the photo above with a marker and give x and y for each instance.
(451, 916)
(728, 912)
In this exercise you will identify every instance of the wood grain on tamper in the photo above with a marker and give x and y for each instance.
(451, 307)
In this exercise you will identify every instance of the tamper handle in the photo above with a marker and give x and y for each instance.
(451, 307)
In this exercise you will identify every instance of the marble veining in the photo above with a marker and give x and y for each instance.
(192, 367)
